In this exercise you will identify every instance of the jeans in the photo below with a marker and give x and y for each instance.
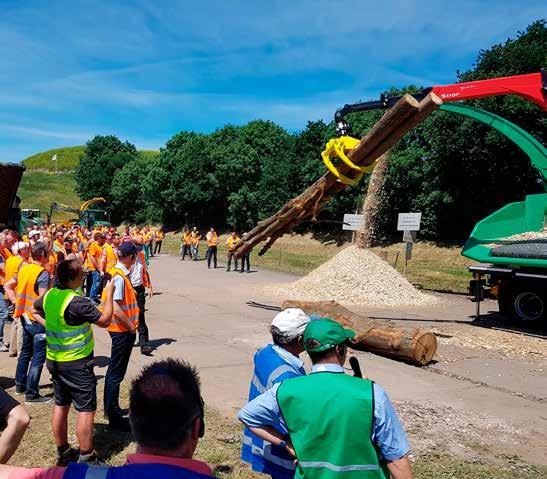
(245, 259)
(94, 291)
(195, 252)
(33, 352)
(3, 313)
(231, 255)
(122, 345)
(157, 247)
(146, 248)
(141, 301)
(211, 253)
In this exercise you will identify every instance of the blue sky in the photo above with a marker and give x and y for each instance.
(144, 70)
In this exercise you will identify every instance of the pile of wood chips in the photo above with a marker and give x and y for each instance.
(355, 277)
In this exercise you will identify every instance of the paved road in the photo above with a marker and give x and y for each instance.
(202, 316)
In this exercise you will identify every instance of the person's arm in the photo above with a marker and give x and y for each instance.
(389, 436)
(17, 423)
(108, 306)
(9, 288)
(94, 261)
(150, 287)
(103, 261)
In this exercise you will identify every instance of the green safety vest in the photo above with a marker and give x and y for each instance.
(64, 342)
(329, 417)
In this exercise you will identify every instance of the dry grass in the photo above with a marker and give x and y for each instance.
(434, 267)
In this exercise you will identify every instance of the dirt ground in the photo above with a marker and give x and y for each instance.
(483, 398)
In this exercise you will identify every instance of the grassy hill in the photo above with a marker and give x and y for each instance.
(67, 158)
(40, 189)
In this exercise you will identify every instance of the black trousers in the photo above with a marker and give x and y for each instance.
(231, 255)
(211, 253)
(141, 301)
(122, 345)
(246, 259)
(157, 247)
(186, 251)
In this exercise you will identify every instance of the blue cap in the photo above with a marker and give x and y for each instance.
(127, 249)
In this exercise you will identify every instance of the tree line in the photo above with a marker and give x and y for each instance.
(452, 169)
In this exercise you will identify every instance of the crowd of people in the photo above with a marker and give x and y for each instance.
(59, 281)
(190, 243)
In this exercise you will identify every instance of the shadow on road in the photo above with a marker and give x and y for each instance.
(6, 383)
(156, 343)
(101, 361)
(108, 442)
(269, 307)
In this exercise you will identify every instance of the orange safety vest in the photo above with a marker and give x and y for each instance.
(25, 292)
(231, 242)
(187, 237)
(109, 256)
(5, 253)
(128, 304)
(159, 235)
(142, 258)
(60, 247)
(194, 238)
(94, 248)
(12, 264)
(212, 240)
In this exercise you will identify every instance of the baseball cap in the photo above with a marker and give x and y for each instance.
(290, 323)
(33, 233)
(323, 334)
(127, 249)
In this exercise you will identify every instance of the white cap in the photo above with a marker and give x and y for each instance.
(33, 233)
(290, 323)
(18, 246)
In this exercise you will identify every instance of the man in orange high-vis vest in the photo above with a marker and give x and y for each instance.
(13, 264)
(4, 255)
(31, 282)
(122, 330)
(212, 246)
(109, 257)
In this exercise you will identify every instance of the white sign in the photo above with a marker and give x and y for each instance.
(409, 221)
(353, 222)
(54, 157)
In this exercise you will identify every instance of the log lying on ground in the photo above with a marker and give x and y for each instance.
(394, 124)
(415, 346)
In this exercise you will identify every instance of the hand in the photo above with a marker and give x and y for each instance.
(109, 286)
(290, 449)
(133, 329)
(150, 292)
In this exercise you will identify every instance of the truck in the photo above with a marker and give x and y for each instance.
(510, 245)
(10, 211)
(86, 216)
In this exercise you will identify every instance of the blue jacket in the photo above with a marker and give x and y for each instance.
(131, 471)
(272, 365)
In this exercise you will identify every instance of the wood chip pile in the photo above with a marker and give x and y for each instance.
(355, 277)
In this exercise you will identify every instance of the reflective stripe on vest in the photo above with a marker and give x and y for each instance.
(64, 342)
(130, 471)
(25, 292)
(335, 468)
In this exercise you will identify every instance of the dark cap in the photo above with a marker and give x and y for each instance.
(127, 249)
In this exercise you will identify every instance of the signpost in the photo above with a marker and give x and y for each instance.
(353, 222)
(54, 158)
(409, 224)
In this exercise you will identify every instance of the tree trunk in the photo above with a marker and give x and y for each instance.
(368, 236)
(415, 346)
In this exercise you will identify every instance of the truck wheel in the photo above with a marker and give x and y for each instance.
(529, 303)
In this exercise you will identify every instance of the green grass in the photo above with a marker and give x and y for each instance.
(40, 189)
(67, 158)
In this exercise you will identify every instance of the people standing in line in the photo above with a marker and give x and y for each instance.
(212, 246)
(31, 282)
(20, 256)
(122, 330)
(186, 248)
(93, 263)
(194, 243)
(68, 318)
(167, 421)
(231, 242)
(336, 422)
(158, 237)
(17, 420)
(140, 280)
(273, 364)
(5, 254)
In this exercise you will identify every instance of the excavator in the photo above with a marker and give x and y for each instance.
(86, 216)
(513, 272)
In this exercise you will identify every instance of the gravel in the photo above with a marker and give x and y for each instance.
(355, 277)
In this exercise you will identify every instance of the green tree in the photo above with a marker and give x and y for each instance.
(103, 157)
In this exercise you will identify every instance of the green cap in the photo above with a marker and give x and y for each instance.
(324, 333)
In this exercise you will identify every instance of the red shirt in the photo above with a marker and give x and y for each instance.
(58, 472)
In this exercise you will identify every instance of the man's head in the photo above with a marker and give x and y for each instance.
(115, 240)
(234, 234)
(70, 273)
(23, 249)
(34, 236)
(39, 253)
(11, 238)
(212, 229)
(325, 341)
(288, 327)
(127, 253)
(99, 238)
(166, 409)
